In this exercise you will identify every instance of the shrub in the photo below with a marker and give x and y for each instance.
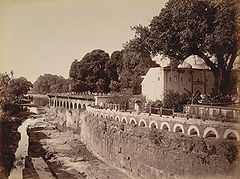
(173, 100)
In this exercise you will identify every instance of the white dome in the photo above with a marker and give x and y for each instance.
(184, 65)
(162, 60)
(199, 61)
(200, 66)
(196, 62)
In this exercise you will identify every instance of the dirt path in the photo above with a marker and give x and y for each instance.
(55, 152)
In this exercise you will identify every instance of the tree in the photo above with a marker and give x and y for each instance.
(18, 87)
(97, 72)
(195, 27)
(91, 70)
(134, 65)
(176, 101)
(114, 65)
(49, 83)
(114, 86)
(11, 93)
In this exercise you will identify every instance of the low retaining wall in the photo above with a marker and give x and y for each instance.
(143, 152)
(199, 127)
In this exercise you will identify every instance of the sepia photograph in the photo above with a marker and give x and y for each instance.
(119, 89)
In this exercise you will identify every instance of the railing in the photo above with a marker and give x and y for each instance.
(159, 111)
(226, 114)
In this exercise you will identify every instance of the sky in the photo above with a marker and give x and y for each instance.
(45, 36)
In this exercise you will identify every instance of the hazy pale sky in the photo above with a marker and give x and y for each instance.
(45, 36)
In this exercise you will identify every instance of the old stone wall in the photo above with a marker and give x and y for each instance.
(152, 153)
(143, 152)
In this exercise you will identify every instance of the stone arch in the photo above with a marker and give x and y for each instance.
(210, 132)
(97, 114)
(132, 121)
(231, 134)
(124, 120)
(165, 126)
(111, 117)
(178, 128)
(117, 118)
(79, 106)
(193, 130)
(142, 123)
(71, 105)
(55, 103)
(137, 104)
(60, 103)
(75, 105)
(106, 115)
(101, 115)
(93, 114)
(153, 124)
(84, 106)
(64, 104)
(67, 105)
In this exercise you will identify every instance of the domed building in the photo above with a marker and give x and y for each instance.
(182, 79)
(184, 65)
(193, 75)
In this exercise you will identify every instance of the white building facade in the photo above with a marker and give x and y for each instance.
(181, 80)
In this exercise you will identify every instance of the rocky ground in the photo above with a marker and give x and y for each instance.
(56, 152)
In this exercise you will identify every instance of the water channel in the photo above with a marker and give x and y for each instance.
(22, 150)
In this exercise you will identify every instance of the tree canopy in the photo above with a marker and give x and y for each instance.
(194, 27)
(11, 93)
(90, 74)
(97, 72)
(134, 66)
(49, 83)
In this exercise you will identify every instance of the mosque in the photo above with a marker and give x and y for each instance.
(193, 76)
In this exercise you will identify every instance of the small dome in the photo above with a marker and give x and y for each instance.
(196, 62)
(184, 65)
(200, 66)
(199, 61)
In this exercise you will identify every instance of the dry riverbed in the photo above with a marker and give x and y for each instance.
(56, 152)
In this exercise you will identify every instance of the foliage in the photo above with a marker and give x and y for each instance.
(154, 106)
(115, 86)
(90, 74)
(134, 65)
(18, 87)
(97, 72)
(49, 83)
(114, 65)
(174, 100)
(122, 100)
(12, 91)
(216, 99)
(194, 27)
